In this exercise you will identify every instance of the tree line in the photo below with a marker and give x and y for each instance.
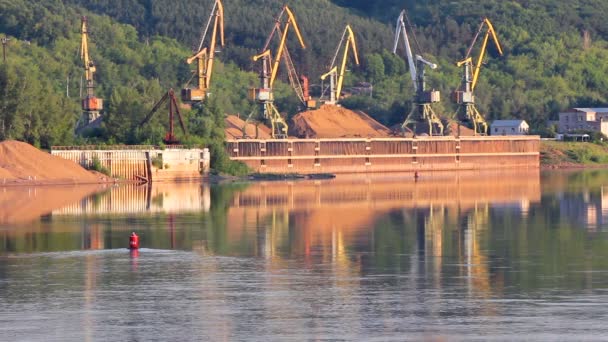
(554, 59)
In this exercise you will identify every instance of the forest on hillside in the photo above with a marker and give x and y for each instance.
(554, 59)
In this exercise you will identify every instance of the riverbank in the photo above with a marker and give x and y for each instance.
(572, 155)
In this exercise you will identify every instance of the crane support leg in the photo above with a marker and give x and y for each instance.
(479, 123)
(471, 114)
(278, 124)
(411, 118)
(251, 118)
(424, 112)
(432, 119)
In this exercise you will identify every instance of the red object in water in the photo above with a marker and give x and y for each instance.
(134, 241)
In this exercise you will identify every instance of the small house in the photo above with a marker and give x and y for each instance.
(509, 127)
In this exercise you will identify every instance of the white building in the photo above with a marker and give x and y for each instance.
(509, 127)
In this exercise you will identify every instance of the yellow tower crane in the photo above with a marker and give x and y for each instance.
(464, 96)
(204, 56)
(91, 105)
(336, 77)
(270, 67)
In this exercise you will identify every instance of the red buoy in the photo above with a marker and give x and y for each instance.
(133, 241)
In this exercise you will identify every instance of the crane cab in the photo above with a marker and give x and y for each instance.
(430, 97)
(92, 104)
(194, 95)
(261, 94)
(461, 97)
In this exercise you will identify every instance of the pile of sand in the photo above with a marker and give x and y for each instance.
(21, 162)
(452, 129)
(234, 126)
(331, 121)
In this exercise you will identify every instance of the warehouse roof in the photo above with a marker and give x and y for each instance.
(592, 110)
(508, 123)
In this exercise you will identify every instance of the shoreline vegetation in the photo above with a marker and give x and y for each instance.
(573, 155)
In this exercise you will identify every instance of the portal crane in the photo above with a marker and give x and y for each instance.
(268, 74)
(298, 83)
(336, 76)
(204, 56)
(91, 105)
(170, 138)
(423, 99)
(465, 97)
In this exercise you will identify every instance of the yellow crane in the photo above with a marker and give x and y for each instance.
(204, 56)
(268, 74)
(465, 96)
(336, 77)
(91, 105)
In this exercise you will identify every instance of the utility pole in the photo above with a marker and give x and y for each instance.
(5, 41)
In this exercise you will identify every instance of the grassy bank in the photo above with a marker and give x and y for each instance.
(573, 154)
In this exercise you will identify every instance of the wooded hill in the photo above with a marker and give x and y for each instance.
(140, 45)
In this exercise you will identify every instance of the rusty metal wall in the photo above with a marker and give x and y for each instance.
(386, 154)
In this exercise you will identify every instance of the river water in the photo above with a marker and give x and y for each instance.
(447, 257)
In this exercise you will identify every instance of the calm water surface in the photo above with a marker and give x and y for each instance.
(377, 258)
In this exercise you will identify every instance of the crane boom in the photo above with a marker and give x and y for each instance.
(291, 21)
(91, 105)
(400, 30)
(334, 72)
(465, 96)
(422, 110)
(489, 33)
(89, 66)
(205, 55)
(270, 68)
(294, 79)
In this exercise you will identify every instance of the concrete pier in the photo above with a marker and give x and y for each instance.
(143, 163)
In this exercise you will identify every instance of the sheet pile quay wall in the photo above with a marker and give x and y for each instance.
(144, 163)
(386, 154)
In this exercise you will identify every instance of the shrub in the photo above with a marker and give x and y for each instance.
(96, 166)
(157, 161)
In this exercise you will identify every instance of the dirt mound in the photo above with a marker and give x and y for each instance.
(331, 121)
(453, 127)
(234, 126)
(21, 162)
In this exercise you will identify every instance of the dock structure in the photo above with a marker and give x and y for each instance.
(355, 155)
(141, 163)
